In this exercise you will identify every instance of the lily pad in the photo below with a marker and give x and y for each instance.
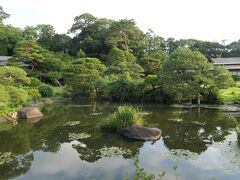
(114, 151)
(95, 114)
(176, 154)
(176, 120)
(71, 123)
(74, 136)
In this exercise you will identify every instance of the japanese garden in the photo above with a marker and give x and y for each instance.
(107, 100)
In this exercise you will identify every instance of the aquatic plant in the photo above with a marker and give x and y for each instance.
(74, 136)
(114, 151)
(71, 123)
(124, 116)
(176, 120)
(179, 154)
(141, 174)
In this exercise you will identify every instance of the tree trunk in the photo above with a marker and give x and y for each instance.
(57, 83)
(199, 99)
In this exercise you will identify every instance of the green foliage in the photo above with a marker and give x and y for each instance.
(116, 56)
(18, 97)
(141, 174)
(9, 37)
(13, 76)
(150, 65)
(81, 54)
(187, 74)
(30, 51)
(151, 80)
(45, 90)
(122, 89)
(33, 94)
(4, 96)
(46, 33)
(236, 77)
(230, 94)
(34, 82)
(124, 116)
(122, 62)
(30, 33)
(222, 78)
(82, 76)
(3, 15)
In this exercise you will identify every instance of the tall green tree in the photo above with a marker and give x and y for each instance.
(46, 33)
(3, 15)
(30, 52)
(9, 37)
(83, 74)
(90, 34)
(122, 62)
(187, 74)
(30, 33)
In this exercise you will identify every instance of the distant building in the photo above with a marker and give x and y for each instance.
(4, 60)
(231, 64)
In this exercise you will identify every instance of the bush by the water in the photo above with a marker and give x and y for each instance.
(45, 90)
(124, 116)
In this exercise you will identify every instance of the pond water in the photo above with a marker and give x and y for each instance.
(67, 144)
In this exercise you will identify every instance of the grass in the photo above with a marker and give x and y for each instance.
(124, 116)
(230, 94)
(60, 92)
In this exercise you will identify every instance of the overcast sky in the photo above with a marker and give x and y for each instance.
(213, 20)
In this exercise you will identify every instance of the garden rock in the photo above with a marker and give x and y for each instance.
(28, 113)
(141, 133)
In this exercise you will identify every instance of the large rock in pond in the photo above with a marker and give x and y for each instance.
(141, 133)
(29, 113)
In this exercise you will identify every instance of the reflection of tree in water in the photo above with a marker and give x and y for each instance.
(15, 151)
(107, 145)
(17, 142)
(92, 148)
(51, 131)
(16, 165)
(195, 130)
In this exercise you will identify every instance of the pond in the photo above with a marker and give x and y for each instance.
(67, 144)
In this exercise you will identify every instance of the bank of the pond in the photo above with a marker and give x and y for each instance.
(11, 116)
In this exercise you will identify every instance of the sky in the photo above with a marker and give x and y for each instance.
(212, 20)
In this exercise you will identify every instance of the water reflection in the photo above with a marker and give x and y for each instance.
(66, 144)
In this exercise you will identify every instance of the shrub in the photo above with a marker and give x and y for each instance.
(3, 109)
(122, 89)
(45, 90)
(34, 82)
(18, 96)
(236, 77)
(33, 94)
(124, 116)
(4, 96)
